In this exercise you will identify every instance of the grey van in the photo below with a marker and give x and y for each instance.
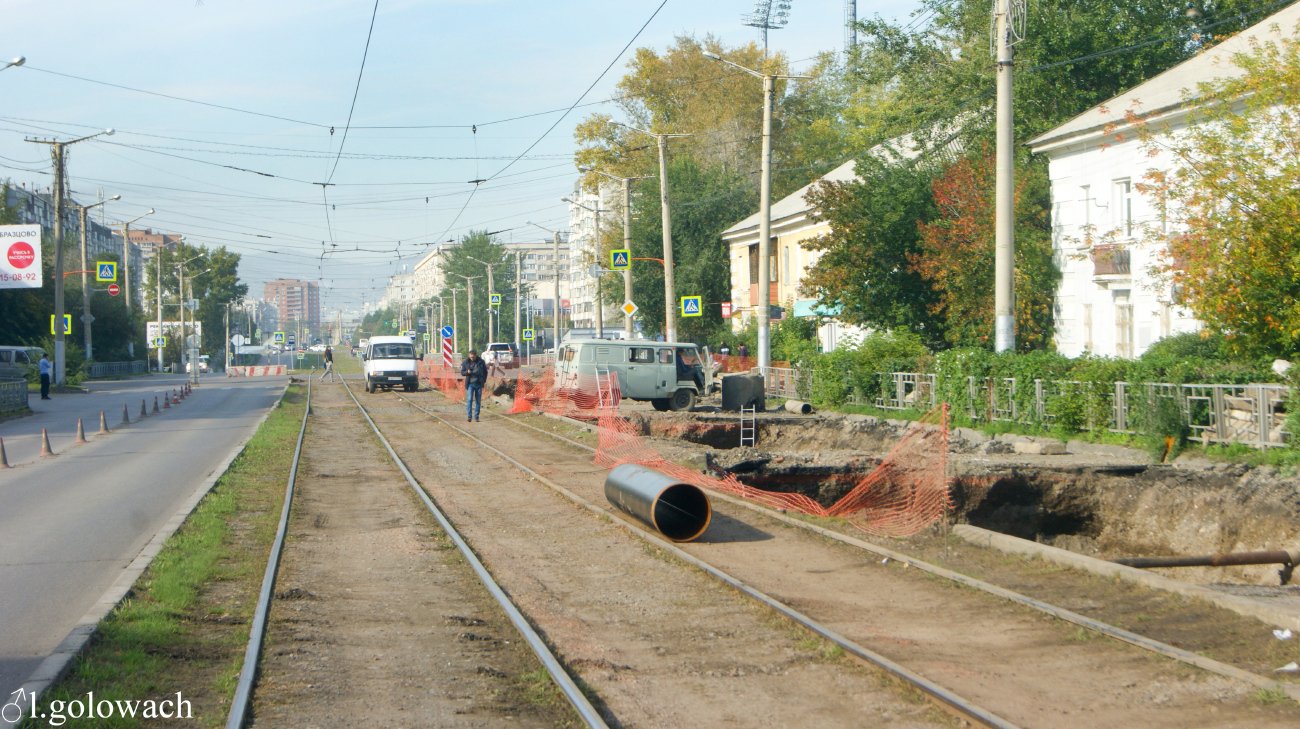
(667, 374)
(15, 360)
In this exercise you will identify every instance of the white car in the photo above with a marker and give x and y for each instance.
(503, 353)
(389, 362)
(203, 364)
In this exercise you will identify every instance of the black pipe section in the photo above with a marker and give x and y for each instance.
(1286, 557)
(679, 511)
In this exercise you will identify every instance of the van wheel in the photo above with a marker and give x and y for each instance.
(370, 386)
(682, 400)
(660, 404)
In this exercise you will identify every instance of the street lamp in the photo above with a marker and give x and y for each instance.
(670, 291)
(491, 290)
(60, 356)
(126, 269)
(16, 62)
(469, 304)
(600, 315)
(86, 318)
(627, 235)
(765, 213)
(556, 235)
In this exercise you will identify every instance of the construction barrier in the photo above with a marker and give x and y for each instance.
(256, 371)
(906, 493)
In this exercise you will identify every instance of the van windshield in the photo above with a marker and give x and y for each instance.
(392, 351)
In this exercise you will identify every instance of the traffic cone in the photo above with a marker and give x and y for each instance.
(81, 432)
(126, 417)
(103, 423)
(4, 460)
(182, 392)
(144, 413)
(45, 444)
(176, 400)
(166, 401)
(155, 403)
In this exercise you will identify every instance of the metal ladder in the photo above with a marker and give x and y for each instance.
(748, 425)
(604, 389)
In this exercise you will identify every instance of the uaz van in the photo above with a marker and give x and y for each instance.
(667, 374)
(390, 362)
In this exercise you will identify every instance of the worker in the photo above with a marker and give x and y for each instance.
(474, 372)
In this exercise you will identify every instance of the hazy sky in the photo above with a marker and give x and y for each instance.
(443, 64)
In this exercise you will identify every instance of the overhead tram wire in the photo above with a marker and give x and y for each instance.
(355, 92)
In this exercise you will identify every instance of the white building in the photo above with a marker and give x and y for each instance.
(400, 292)
(1108, 302)
(584, 250)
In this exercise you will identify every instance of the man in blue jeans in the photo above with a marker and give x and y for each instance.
(474, 372)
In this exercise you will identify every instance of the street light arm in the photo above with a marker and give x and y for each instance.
(751, 71)
(652, 134)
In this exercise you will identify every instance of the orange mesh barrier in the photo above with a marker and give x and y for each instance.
(906, 493)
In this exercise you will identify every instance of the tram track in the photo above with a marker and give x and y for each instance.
(982, 716)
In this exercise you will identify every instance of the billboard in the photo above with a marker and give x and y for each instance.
(20, 257)
(171, 329)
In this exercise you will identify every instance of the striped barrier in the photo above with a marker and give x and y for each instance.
(257, 371)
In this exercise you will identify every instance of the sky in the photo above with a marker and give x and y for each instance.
(443, 84)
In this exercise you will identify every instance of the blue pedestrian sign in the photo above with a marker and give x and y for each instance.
(446, 332)
(67, 323)
(691, 306)
(105, 271)
(528, 335)
(278, 337)
(620, 259)
(159, 342)
(494, 300)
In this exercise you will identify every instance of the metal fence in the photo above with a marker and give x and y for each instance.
(13, 394)
(781, 382)
(113, 369)
(1251, 414)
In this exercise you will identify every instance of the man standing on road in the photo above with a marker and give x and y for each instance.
(474, 372)
(46, 370)
(329, 365)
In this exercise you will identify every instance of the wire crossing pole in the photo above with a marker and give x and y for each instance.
(670, 290)
(1005, 243)
(519, 270)
(627, 246)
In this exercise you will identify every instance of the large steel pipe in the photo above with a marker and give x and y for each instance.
(1288, 557)
(679, 511)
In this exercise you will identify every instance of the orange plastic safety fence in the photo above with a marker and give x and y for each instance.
(906, 493)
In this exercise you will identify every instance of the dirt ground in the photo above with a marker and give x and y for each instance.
(660, 644)
(989, 651)
(378, 621)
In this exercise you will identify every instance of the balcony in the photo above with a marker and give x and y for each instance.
(775, 297)
(1111, 265)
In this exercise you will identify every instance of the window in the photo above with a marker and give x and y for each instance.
(642, 355)
(1123, 209)
(753, 264)
(6, 356)
(1087, 327)
(787, 265)
(1123, 325)
(665, 356)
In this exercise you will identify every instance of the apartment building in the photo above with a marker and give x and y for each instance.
(585, 249)
(294, 301)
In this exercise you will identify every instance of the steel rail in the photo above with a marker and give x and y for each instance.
(257, 631)
(590, 716)
(943, 697)
(1155, 646)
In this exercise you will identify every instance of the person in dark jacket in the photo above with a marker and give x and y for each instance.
(474, 372)
(329, 365)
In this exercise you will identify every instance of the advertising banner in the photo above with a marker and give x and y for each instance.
(20, 257)
(171, 329)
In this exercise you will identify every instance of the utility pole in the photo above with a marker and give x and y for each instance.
(226, 366)
(519, 270)
(180, 307)
(600, 315)
(126, 277)
(670, 291)
(556, 271)
(158, 254)
(60, 353)
(1010, 16)
(627, 235)
(455, 325)
(86, 317)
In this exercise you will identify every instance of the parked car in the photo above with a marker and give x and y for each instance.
(503, 353)
(14, 361)
(668, 374)
(389, 362)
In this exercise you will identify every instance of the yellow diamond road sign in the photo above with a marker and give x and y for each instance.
(629, 308)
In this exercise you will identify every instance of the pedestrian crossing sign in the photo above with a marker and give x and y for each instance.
(691, 306)
(278, 337)
(620, 259)
(494, 300)
(426, 336)
(67, 323)
(159, 342)
(528, 335)
(105, 271)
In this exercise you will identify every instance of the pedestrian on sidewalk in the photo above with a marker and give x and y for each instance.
(46, 370)
(474, 372)
(329, 365)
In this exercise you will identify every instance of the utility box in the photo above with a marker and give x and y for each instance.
(743, 391)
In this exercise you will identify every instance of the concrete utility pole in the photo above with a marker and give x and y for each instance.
(1005, 244)
(126, 278)
(60, 353)
(519, 270)
(556, 269)
(627, 235)
(600, 296)
(670, 291)
(86, 317)
(765, 213)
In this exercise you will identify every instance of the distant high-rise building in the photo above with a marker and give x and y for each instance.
(294, 301)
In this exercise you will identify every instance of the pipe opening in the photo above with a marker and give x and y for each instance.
(682, 512)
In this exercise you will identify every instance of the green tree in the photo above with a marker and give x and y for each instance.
(211, 276)
(463, 260)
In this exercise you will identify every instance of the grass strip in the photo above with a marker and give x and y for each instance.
(183, 626)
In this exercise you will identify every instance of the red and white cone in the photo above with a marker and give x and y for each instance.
(81, 433)
(45, 444)
(176, 400)
(167, 402)
(103, 423)
(4, 460)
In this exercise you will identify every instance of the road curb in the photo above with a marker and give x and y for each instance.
(56, 665)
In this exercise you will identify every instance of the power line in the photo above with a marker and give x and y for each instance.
(355, 92)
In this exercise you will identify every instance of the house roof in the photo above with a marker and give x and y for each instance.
(1171, 89)
(794, 203)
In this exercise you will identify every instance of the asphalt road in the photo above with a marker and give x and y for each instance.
(70, 524)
